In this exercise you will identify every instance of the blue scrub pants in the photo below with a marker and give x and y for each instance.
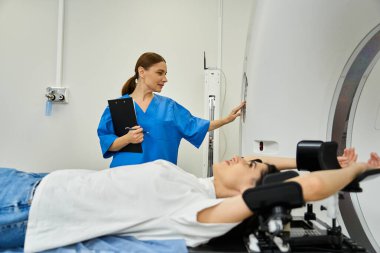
(16, 192)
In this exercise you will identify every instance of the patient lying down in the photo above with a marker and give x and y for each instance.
(155, 200)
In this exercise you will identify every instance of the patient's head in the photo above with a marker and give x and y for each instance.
(234, 176)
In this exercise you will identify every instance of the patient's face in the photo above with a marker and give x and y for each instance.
(237, 173)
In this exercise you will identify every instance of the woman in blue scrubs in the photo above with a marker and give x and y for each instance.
(162, 121)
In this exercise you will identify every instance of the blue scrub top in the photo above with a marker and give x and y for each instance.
(166, 122)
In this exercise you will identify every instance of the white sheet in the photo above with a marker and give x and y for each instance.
(151, 201)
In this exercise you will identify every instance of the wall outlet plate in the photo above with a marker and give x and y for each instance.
(61, 94)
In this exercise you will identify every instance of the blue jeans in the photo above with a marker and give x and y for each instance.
(16, 192)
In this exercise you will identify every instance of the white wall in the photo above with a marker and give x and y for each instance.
(102, 41)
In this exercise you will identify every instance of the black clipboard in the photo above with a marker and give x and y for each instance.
(123, 115)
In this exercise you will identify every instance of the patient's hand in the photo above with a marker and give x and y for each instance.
(349, 156)
(372, 163)
(374, 160)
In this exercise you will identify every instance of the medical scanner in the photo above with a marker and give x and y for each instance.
(311, 71)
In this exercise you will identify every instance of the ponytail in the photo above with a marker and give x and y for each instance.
(129, 85)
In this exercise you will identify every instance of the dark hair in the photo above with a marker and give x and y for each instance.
(271, 169)
(146, 60)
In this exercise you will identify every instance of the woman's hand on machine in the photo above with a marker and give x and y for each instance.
(235, 112)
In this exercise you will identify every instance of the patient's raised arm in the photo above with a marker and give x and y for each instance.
(322, 184)
(230, 210)
(282, 163)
